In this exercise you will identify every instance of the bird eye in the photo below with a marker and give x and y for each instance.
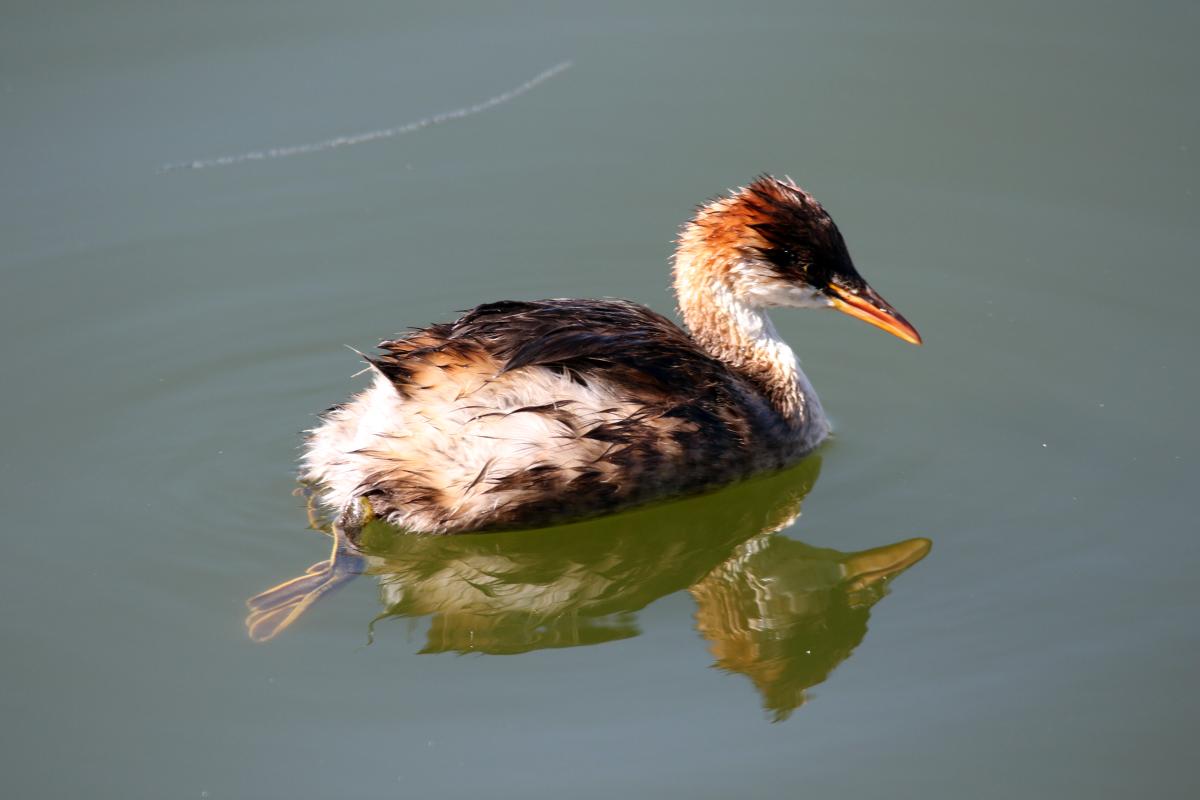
(780, 256)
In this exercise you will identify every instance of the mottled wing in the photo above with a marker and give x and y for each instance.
(686, 419)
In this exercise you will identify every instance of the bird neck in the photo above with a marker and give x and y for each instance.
(740, 334)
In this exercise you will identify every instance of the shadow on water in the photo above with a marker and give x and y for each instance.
(781, 612)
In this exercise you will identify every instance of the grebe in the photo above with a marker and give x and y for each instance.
(521, 414)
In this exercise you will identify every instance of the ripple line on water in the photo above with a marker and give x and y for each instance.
(371, 136)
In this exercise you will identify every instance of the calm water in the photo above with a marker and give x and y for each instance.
(1018, 179)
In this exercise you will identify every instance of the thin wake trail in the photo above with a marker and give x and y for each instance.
(372, 136)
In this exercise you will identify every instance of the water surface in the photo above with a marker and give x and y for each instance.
(1018, 180)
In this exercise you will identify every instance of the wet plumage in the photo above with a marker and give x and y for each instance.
(526, 413)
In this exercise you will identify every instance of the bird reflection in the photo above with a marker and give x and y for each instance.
(781, 612)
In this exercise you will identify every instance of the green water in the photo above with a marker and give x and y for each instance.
(1017, 179)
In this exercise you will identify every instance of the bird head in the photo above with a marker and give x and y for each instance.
(771, 244)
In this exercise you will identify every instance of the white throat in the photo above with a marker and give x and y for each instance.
(733, 326)
(760, 346)
(756, 332)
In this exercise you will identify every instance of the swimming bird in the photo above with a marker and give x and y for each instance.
(527, 413)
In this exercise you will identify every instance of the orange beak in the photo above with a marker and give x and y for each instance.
(867, 305)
